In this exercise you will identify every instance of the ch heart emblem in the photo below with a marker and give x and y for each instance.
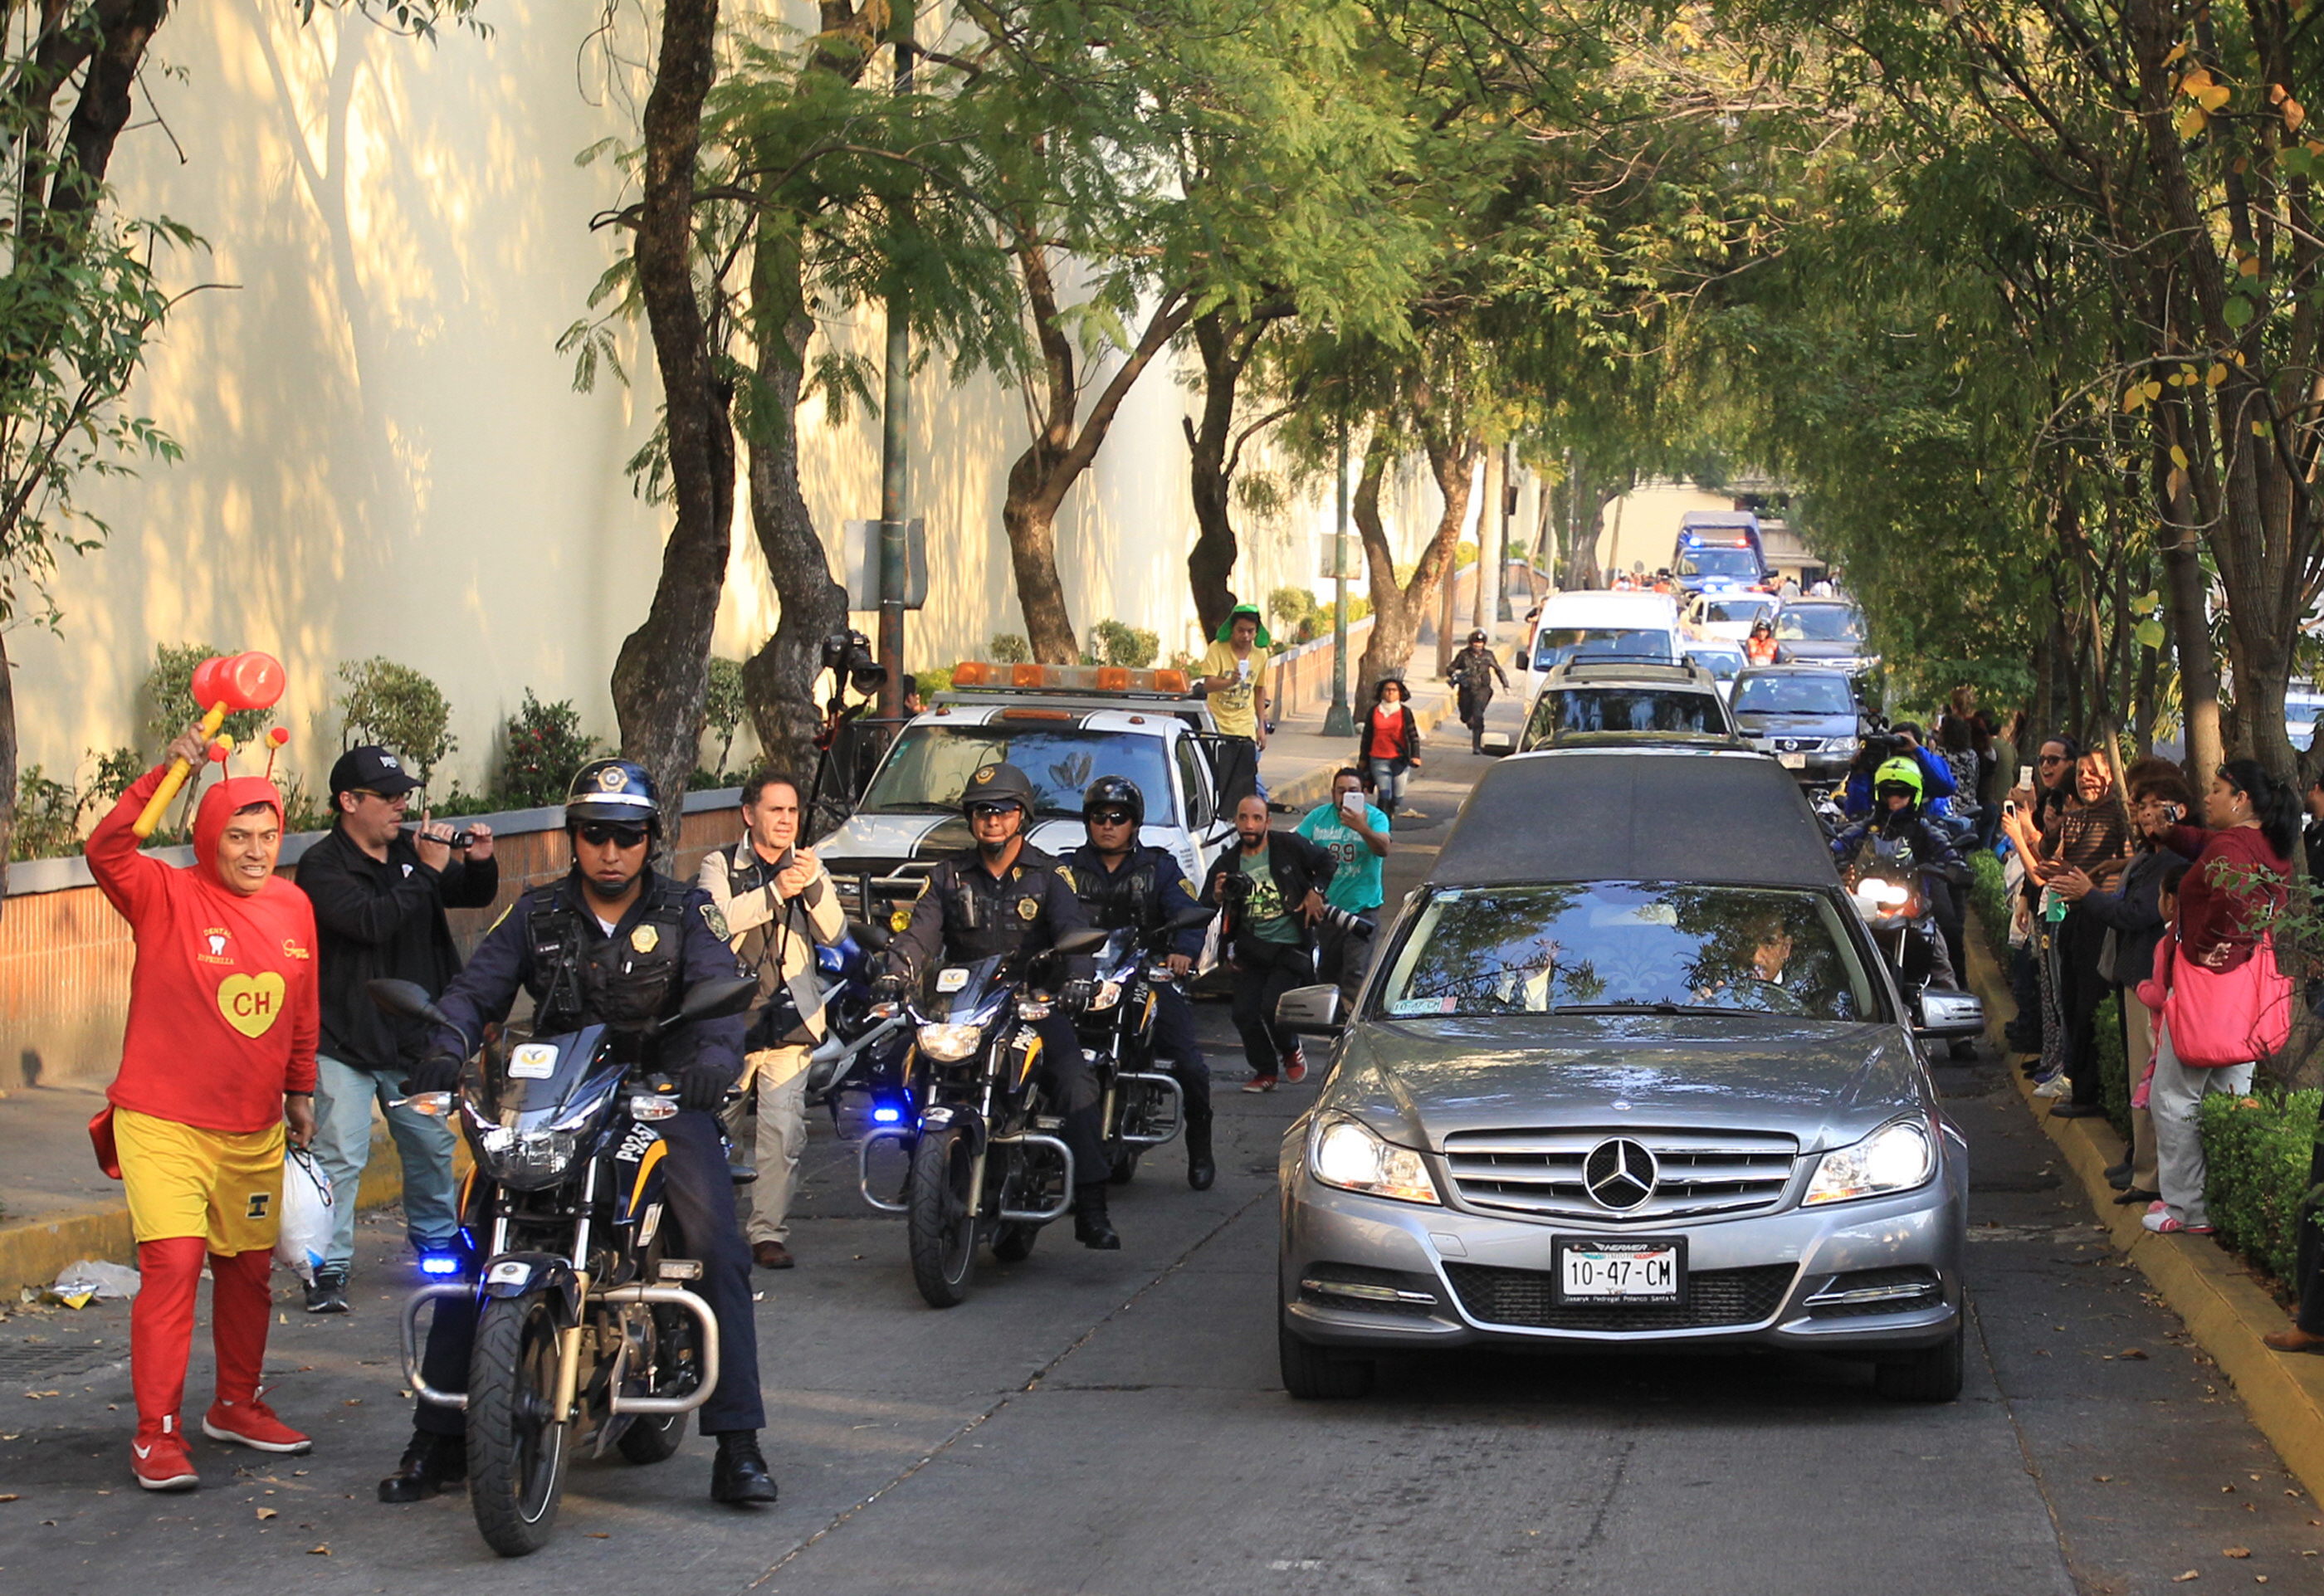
(250, 1002)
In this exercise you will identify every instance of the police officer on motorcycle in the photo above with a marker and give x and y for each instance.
(615, 942)
(1005, 897)
(1897, 830)
(1127, 885)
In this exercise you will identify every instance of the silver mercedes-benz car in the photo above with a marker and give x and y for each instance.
(1627, 1071)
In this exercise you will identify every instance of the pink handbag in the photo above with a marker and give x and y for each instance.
(2225, 1017)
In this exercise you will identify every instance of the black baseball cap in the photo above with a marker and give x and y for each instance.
(371, 769)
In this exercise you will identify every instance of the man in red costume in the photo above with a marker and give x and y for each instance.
(218, 1056)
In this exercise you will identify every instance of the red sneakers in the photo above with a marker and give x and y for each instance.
(251, 1424)
(1295, 1068)
(1259, 1084)
(159, 1458)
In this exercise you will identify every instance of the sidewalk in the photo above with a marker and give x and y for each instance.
(2224, 1308)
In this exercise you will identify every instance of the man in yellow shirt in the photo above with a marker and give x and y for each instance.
(1234, 676)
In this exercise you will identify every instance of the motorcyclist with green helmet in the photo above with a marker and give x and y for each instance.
(1896, 831)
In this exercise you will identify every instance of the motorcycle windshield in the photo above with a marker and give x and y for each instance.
(970, 994)
(1118, 959)
(546, 1083)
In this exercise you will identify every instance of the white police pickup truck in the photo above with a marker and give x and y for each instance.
(1063, 727)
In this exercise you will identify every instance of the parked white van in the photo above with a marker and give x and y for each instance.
(1633, 625)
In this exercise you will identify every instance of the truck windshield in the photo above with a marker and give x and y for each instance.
(929, 765)
(1737, 565)
(1554, 645)
(1794, 695)
(1819, 624)
(1613, 947)
(1625, 709)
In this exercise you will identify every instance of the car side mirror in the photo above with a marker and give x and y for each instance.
(1940, 1014)
(713, 1000)
(1309, 1011)
(1494, 744)
(407, 999)
(1088, 940)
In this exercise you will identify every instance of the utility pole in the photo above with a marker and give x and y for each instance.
(1489, 531)
(895, 422)
(1337, 720)
(1504, 507)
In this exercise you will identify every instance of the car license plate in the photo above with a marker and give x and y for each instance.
(1792, 762)
(1642, 1270)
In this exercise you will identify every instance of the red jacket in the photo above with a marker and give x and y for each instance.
(2215, 914)
(222, 1005)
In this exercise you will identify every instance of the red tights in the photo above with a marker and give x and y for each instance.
(162, 1323)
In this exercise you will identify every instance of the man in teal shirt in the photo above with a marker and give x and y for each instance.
(1355, 831)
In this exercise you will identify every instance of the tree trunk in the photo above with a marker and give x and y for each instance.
(662, 670)
(1397, 611)
(7, 766)
(1489, 544)
(779, 680)
(1210, 564)
(2184, 596)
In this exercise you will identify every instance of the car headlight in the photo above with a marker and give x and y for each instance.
(1344, 1153)
(1896, 1158)
(949, 1044)
(1847, 745)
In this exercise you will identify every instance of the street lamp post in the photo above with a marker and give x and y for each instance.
(895, 441)
(1337, 720)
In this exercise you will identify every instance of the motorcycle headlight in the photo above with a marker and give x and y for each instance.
(1109, 994)
(1896, 1158)
(525, 1159)
(1878, 895)
(949, 1044)
(1346, 1154)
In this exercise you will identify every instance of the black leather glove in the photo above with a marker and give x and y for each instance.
(1077, 995)
(438, 1072)
(888, 989)
(701, 1088)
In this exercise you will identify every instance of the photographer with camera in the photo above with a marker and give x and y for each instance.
(1355, 833)
(777, 904)
(379, 894)
(1271, 888)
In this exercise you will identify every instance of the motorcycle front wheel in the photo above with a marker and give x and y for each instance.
(516, 1449)
(940, 1216)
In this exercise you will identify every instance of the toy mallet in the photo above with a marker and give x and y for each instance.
(228, 684)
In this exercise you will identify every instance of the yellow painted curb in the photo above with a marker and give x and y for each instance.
(2223, 1306)
(34, 1253)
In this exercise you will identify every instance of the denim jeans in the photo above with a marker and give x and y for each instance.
(343, 1099)
(1388, 783)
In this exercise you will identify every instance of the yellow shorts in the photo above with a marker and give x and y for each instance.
(222, 1185)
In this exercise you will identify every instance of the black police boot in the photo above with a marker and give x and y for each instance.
(1201, 1168)
(739, 1473)
(429, 1463)
(1092, 1228)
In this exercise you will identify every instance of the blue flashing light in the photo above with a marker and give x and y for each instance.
(438, 1263)
(887, 1113)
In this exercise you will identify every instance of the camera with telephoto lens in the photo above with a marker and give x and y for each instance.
(1235, 889)
(848, 656)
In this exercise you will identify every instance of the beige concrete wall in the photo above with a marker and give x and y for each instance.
(1640, 528)
(383, 453)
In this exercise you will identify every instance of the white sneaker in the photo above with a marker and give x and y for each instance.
(2057, 1086)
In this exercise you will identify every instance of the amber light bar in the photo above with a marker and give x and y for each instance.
(1069, 679)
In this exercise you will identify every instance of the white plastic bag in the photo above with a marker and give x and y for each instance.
(88, 1279)
(306, 1234)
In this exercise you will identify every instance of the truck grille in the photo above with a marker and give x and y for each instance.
(1526, 1299)
(1540, 1173)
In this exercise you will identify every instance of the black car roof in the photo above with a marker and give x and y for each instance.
(1639, 814)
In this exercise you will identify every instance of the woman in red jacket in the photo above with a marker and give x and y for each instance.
(1388, 744)
(2242, 864)
(219, 1054)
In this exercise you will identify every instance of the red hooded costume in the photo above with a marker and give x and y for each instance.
(222, 1007)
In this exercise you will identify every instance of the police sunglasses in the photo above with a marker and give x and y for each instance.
(977, 811)
(598, 832)
(1109, 818)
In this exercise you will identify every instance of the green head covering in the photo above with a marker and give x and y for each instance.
(1226, 627)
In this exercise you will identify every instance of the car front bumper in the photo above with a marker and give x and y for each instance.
(1809, 1280)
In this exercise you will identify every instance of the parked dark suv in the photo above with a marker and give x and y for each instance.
(1806, 715)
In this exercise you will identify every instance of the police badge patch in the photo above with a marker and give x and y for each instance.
(1028, 908)
(716, 922)
(645, 940)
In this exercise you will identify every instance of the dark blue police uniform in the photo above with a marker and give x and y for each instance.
(1144, 893)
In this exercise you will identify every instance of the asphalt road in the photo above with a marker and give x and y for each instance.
(1111, 1423)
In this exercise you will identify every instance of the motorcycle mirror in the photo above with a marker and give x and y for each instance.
(1187, 919)
(713, 1000)
(407, 999)
(871, 934)
(1088, 940)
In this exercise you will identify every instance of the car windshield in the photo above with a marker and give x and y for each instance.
(1554, 645)
(929, 765)
(1742, 610)
(1616, 947)
(1794, 695)
(1726, 664)
(1570, 710)
(1820, 624)
(1739, 564)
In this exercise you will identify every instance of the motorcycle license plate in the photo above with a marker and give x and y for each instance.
(1641, 1270)
(1792, 762)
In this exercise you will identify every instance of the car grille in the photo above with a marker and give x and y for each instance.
(1794, 744)
(1528, 1299)
(1699, 1173)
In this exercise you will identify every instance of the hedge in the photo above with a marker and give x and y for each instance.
(2257, 1150)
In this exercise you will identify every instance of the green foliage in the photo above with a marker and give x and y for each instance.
(1116, 642)
(543, 746)
(933, 679)
(1007, 648)
(116, 772)
(722, 705)
(168, 695)
(1989, 899)
(48, 816)
(1288, 606)
(396, 707)
(2257, 1152)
